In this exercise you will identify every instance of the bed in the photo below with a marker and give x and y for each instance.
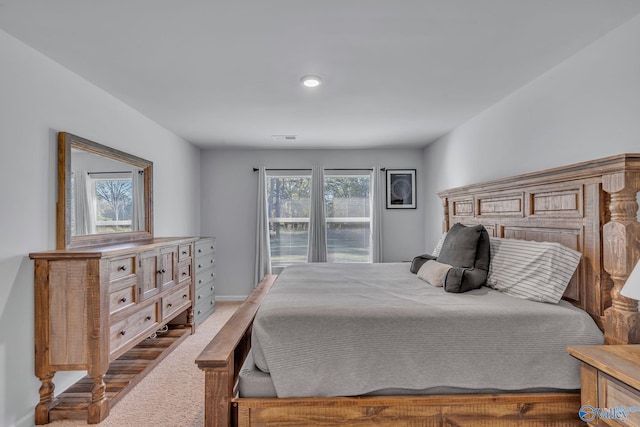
(589, 207)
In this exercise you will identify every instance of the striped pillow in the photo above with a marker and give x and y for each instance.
(538, 271)
(436, 250)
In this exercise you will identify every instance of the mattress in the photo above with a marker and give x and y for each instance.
(252, 382)
(357, 329)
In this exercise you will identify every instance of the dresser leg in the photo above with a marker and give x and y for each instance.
(46, 399)
(190, 320)
(99, 407)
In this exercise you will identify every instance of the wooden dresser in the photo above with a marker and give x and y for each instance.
(94, 305)
(205, 276)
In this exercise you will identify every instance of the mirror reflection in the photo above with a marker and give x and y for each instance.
(107, 195)
(104, 195)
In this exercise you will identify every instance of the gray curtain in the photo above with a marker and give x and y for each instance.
(317, 251)
(377, 202)
(137, 188)
(85, 203)
(263, 249)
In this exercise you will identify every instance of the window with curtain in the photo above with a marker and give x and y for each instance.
(347, 198)
(348, 216)
(113, 195)
(289, 201)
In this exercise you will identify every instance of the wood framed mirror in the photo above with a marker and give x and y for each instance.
(104, 195)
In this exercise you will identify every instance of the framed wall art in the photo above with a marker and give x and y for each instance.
(401, 188)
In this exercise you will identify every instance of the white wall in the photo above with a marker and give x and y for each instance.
(38, 98)
(585, 108)
(229, 191)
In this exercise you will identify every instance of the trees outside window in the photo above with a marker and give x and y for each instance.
(113, 205)
(347, 214)
(289, 200)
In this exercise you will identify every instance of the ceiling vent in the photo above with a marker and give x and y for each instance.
(284, 137)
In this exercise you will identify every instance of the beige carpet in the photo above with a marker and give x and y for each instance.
(172, 395)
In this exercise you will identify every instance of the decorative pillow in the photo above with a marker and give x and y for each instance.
(465, 279)
(459, 246)
(419, 261)
(434, 273)
(436, 250)
(537, 271)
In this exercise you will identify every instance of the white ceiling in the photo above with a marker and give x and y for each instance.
(395, 73)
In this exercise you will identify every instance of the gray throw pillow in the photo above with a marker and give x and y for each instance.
(460, 245)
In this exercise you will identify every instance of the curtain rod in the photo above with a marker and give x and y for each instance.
(328, 169)
(101, 173)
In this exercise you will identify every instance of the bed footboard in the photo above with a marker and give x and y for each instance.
(224, 355)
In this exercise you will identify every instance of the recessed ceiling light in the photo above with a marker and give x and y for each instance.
(311, 81)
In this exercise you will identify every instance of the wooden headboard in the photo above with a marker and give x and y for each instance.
(590, 207)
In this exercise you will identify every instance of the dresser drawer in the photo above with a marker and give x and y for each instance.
(184, 272)
(122, 267)
(123, 296)
(206, 292)
(204, 308)
(184, 252)
(204, 262)
(205, 276)
(129, 329)
(205, 246)
(201, 315)
(175, 302)
(614, 394)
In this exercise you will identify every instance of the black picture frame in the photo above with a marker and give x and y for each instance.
(401, 188)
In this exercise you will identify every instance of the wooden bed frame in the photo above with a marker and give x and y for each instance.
(591, 207)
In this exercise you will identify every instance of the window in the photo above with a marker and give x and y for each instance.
(347, 210)
(289, 200)
(113, 204)
(348, 216)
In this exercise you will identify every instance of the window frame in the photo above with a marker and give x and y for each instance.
(94, 177)
(286, 173)
(355, 173)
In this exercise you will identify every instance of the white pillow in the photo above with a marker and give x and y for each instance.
(538, 271)
(436, 250)
(434, 272)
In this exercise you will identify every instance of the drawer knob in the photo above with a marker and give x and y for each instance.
(200, 281)
(169, 305)
(199, 265)
(162, 271)
(123, 299)
(185, 296)
(199, 296)
(212, 288)
(199, 250)
(184, 252)
(122, 268)
(211, 261)
(211, 302)
(211, 247)
(147, 318)
(184, 273)
(199, 311)
(123, 333)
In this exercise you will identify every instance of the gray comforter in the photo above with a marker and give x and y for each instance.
(351, 329)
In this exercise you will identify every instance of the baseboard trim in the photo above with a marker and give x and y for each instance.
(231, 298)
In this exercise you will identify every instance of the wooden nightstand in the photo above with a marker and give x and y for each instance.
(610, 376)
